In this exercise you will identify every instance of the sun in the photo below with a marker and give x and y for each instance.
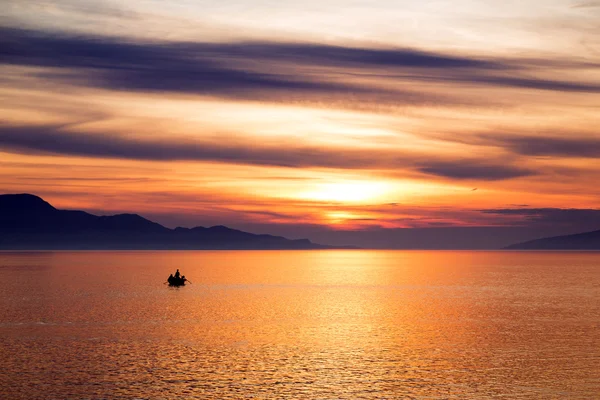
(348, 191)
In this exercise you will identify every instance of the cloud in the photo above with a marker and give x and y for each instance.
(54, 140)
(582, 219)
(256, 70)
(238, 70)
(347, 56)
(59, 50)
(72, 7)
(584, 147)
(586, 4)
(555, 143)
(58, 140)
(474, 169)
(151, 66)
(533, 83)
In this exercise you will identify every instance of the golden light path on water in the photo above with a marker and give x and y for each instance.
(300, 324)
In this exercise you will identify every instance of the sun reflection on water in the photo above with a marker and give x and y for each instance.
(300, 324)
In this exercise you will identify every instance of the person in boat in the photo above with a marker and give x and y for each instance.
(177, 275)
(183, 280)
(171, 279)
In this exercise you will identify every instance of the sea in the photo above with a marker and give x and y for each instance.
(321, 324)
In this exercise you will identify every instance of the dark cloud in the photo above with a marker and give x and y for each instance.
(113, 64)
(253, 70)
(551, 144)
(578, 219)
(43, 49)
(474, 170)
(50, 139)
(57, 140)
(347, 56)
(588, 147)
(532, 83)
(240, 70)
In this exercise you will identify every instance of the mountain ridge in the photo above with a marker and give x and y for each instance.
(28, 222)
(578, 241)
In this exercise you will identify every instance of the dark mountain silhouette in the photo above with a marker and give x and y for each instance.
(29, 222)
(579, 241)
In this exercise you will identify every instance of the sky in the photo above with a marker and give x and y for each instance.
(374, 123)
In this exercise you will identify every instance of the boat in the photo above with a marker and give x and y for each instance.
(173, 281)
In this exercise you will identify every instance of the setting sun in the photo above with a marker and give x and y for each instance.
(351, 192)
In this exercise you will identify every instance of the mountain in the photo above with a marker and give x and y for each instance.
(579, 241)
(29, 222)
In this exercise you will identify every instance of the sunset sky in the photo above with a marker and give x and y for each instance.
(358, 122)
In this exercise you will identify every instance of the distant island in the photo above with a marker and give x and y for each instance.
(27, 222)
(579, 241)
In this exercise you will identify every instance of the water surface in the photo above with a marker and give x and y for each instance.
(300, 324)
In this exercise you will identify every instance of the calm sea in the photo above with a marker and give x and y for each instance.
(300, 325)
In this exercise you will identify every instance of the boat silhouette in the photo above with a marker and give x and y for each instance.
(177, 280)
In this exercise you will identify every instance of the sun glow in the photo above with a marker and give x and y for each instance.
(352, 192)
(342, 217)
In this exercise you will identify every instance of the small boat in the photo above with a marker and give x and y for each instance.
(177, 281)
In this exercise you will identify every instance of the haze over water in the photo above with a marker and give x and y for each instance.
(300, 324)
